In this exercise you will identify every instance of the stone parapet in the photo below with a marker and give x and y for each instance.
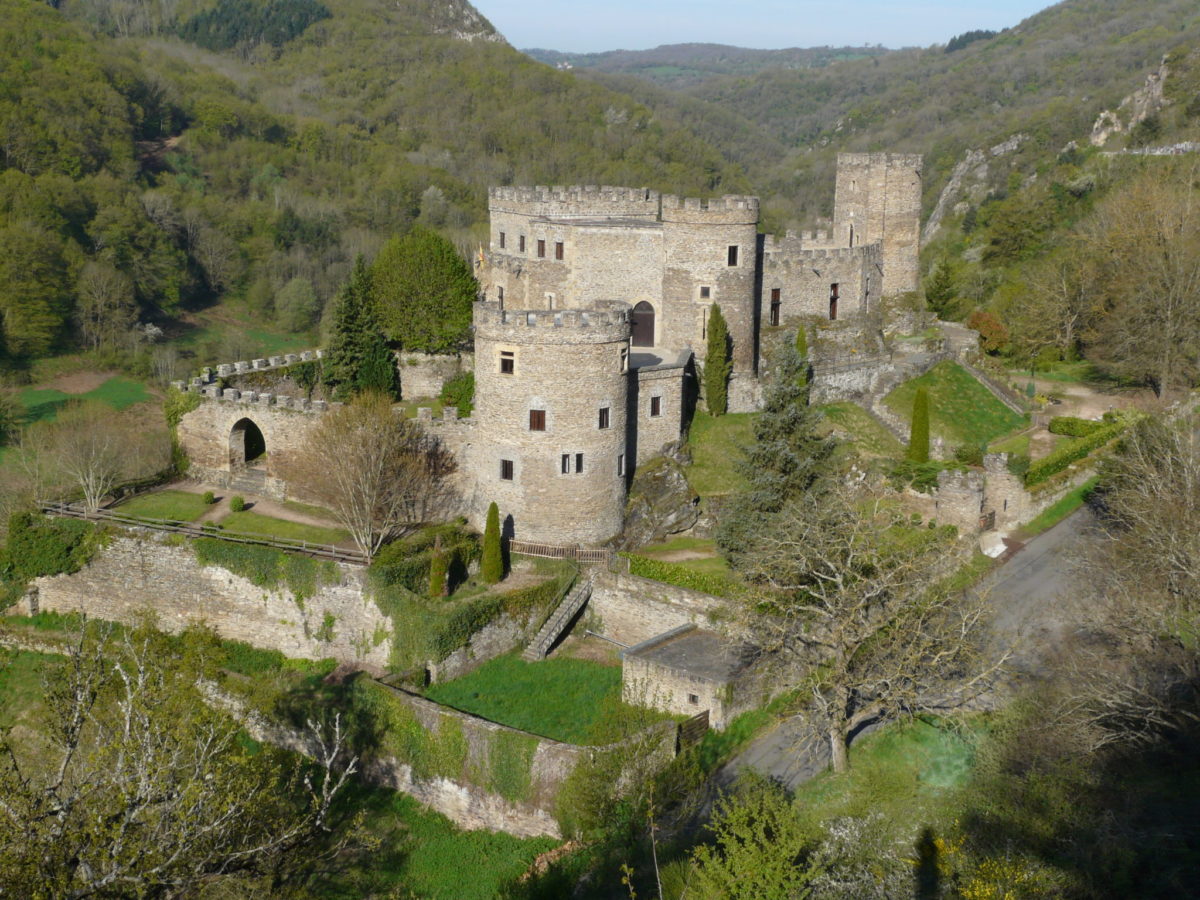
(600, 325)
(732, 209)
(578, 201)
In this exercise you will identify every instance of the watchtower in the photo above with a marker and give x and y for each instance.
(550, 448)
(878, 199)
(710, 256)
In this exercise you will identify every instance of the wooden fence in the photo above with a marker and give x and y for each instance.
(557, 551)
(193, 530)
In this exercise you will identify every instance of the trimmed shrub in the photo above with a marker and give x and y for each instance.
(1072, 426)
(1064, 455)
(237, 503)
(918, 441)
(717, 366)
(459, 392)
(208, 497)
(492, 567)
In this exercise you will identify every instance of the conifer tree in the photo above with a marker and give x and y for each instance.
(491, 569)
(918, 441)
(350, 341)
(716, 364)
(802, 355)
(437, 570)
(789, 456)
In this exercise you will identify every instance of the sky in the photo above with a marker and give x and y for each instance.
(579, 26)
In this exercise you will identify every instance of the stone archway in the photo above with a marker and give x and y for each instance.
(247, 446)
(643, 325)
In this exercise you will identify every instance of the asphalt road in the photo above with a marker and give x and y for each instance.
(1032, 596)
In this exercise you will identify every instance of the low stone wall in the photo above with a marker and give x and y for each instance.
(632, 609)
(495, 639)
(136, 572)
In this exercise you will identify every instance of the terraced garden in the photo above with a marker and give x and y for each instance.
(961, 410)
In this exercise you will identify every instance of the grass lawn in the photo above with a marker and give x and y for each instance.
(907, 772)
(118, 392)
(1062, 508)
(178, 505)
(712, 563)
(1018, 445)
(716, 443)
(254, 523)
(410, 407)
(961, 410)
(21, 688)
(570, 700)
(865, 433)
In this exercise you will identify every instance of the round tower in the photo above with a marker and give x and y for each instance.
(550, 444)
(710, 256)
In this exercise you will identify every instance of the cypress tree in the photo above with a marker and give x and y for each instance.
(491, 569)
(802, 355)
(918, 441)
(437, 570)
(716, 364)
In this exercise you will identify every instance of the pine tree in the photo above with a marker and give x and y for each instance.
(491, 569)
(378, 369)
(716, 364)
(918, 441)
(351, 341)
(788, 457)
(437, 570)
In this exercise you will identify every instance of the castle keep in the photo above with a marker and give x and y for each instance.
(593, 315)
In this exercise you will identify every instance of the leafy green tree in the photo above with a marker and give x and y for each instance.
(789, 457)
(918, 440)
(491, 569)
(36, 299)
(423, 292)
(296, 305)
(717, 364)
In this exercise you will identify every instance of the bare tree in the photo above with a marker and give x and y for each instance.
(89, 446)
(379, 472)
(135, 786)
(106, 309)
(854, 611)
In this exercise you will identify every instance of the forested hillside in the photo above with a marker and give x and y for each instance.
(158, 158)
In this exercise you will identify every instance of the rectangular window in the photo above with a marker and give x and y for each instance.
(541, 249)
(694, 699)
(578, 463)
(506, 470)
(508, 362)
(733, 255)
(500, 293)
(624, 360)
(537, 420)
(705, 292)
(776, 303)
(502, 240)
(558, 249)
(566, 463)
(656, 406)
(603, 417)
(620, 465)
(521, 243)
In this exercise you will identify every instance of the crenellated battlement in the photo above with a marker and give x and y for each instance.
(960, 481)
(791, 249)
(732, 209)
(261, 399)
(897, 160)
(577, 201)
(608, 322)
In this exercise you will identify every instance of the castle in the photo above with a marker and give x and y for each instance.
(592, 319)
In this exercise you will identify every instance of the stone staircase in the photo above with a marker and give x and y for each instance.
(559, 620)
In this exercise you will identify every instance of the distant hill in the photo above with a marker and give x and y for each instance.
(680, 65)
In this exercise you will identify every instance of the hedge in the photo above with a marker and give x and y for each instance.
(39, 546)
(1070, 452)
(681, 576)
(1072, 426)
(407, 562)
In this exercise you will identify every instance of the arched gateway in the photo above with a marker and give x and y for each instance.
(247, 445)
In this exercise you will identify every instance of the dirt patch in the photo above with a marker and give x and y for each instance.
(591, 649)
(76, 382)
(681, 555)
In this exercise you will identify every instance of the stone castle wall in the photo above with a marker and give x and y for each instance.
(631, 609)
(649, 433)
(422, 375)
(805, 279)
(134, 573)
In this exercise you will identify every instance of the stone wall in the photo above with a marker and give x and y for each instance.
(650, 433)
(878, 199)
(138, 572)
(631, 609)
(422, 375)
(806, 280)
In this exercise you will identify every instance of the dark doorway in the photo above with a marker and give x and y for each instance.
(246, 444)
(833, 299)
(643, 325)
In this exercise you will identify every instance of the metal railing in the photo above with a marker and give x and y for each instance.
(194, 530)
